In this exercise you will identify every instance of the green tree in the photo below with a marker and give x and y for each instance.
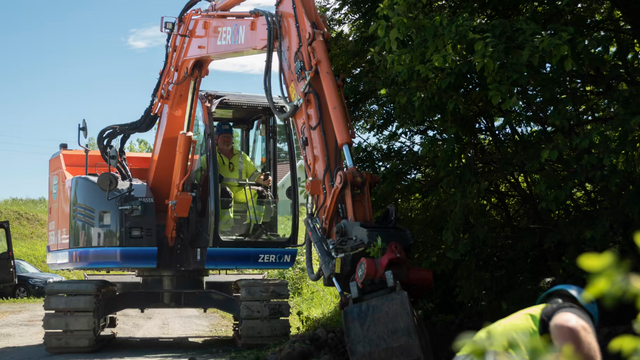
(137, 145)
(612, 282)
(92, 144)
(507, 133)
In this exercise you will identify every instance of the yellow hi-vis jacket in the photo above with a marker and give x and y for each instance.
(512, 337)
(243, 169)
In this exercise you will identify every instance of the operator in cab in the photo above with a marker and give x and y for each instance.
(235, 166)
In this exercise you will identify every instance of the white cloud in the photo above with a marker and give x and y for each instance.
(152, 36)
(253, 4)
(146, 37)
(252, 64)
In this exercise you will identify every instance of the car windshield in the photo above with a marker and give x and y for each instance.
(25, 268)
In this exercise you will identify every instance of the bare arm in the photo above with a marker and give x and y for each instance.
(567, 328)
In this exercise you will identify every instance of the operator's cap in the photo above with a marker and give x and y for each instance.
(224, 128)
(583, 298)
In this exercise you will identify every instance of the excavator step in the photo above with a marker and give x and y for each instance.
(70, 303)
(264, 309)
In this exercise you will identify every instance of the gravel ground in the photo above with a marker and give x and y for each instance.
(154, 334)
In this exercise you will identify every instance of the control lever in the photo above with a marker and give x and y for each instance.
(267, 176)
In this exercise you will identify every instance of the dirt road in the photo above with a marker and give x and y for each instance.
(154, 334)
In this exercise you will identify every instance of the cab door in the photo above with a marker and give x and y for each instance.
(7, 265)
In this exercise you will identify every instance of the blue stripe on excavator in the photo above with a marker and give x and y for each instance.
(252, 258)
(103, 258)
(146, 257)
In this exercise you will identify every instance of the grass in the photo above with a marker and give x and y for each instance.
(30, 300)
(29, 224)
(312, 304)
(28, 220)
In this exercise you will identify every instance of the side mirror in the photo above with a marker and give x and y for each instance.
(113, 156)
(83, 128)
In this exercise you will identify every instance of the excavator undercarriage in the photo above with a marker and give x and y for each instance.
(80, 312)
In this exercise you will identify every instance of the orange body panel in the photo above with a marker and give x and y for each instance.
(179, 171)
(63, 166)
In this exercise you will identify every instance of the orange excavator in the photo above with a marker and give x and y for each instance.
(193, 206)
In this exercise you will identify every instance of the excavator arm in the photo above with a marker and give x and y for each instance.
(375, 291)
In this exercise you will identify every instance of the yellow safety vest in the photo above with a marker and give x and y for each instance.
(517, 335)
(238, 168)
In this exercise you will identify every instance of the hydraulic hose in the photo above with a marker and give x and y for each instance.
(313, 276)
(319, 241)
(146, 122)
(291, 107)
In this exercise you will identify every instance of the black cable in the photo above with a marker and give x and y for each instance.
(304, 152)
(188, 7)
(324, 196)
(313, 275)
(280, 42)
(291, 107)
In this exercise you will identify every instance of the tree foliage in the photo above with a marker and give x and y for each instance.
(611, 281)
(137, 145)
(507, 133)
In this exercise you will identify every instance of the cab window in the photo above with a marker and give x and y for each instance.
(4, 247)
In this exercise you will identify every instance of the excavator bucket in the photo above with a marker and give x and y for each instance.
(385, 328)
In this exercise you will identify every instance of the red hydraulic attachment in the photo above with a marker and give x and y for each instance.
(415, 280)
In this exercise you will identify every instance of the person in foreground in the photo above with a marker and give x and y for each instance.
(564, 316)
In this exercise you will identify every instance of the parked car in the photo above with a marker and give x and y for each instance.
(31, 281)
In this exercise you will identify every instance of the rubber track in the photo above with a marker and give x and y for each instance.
(72, 320)
(264, 305)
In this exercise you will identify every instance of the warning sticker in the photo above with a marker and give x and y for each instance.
(292, 92)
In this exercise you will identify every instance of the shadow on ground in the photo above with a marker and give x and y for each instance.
(200, 348)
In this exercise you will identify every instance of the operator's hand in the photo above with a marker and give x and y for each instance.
(263, 182)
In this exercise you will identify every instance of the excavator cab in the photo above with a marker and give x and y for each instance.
(242, 210)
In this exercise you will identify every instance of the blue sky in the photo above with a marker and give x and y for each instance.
(64, 61)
